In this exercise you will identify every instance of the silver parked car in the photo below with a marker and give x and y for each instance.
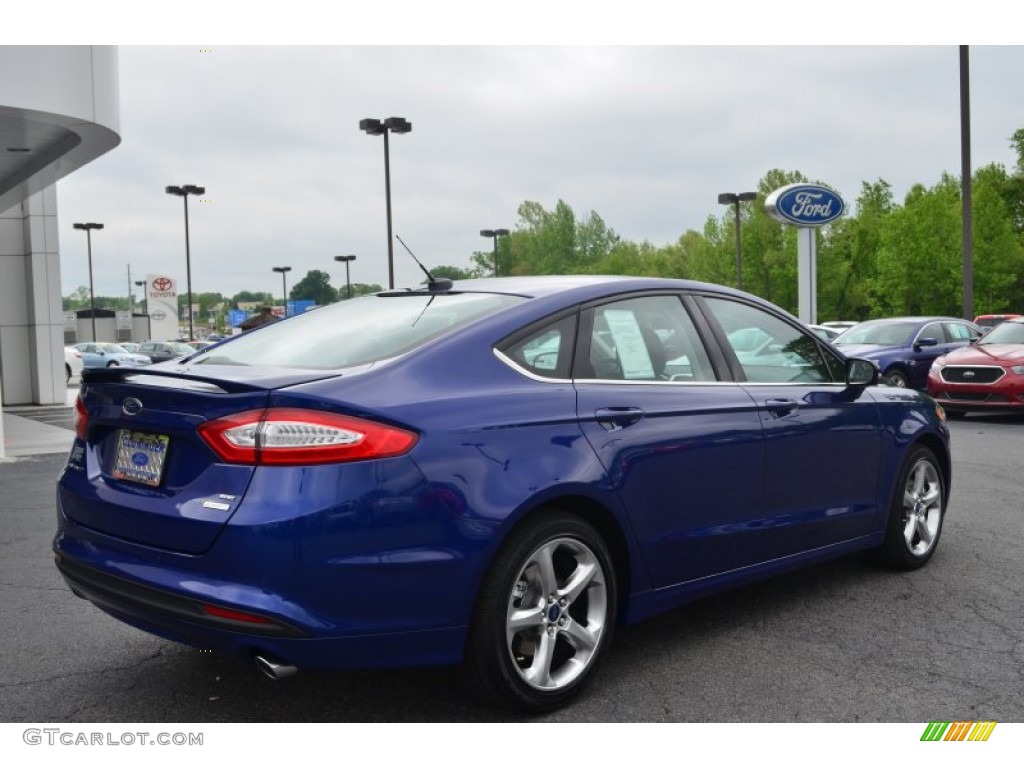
(100, 354)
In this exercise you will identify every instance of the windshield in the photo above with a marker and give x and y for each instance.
(1005, 333)
(879, 334)
(356, 332)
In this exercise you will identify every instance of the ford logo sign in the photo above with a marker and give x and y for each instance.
(805, 205)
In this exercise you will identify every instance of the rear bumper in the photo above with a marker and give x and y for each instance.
(181, 619)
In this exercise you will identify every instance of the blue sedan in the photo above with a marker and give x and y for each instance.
(904, 348)
(494, 474)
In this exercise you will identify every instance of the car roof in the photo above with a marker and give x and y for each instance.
(573, 287)
(916, 319)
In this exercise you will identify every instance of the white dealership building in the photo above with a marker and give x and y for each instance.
(59, 109)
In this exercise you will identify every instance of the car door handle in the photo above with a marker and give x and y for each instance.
(616, 418)
(780, 408)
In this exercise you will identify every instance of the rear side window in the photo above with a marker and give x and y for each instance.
(356, 332)
(546, 352)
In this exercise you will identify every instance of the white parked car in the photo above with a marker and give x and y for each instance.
(72, 363)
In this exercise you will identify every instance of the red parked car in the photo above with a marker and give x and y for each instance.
(991, 321)
(985, 376)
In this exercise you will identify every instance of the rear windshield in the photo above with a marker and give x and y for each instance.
(356, 332)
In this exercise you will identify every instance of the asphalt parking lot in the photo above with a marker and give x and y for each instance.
(842, 642)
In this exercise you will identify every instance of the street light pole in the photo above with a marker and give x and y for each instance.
(495, 234)
(348, 282)
(374, 127)
(145, 307)
(284, 285)
(183, 192)
(88, 227)
(730, 198)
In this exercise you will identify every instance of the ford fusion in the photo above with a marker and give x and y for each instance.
(492, 474)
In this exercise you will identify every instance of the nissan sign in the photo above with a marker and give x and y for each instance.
(805, 205)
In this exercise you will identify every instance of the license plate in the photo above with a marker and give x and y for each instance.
(140, 457)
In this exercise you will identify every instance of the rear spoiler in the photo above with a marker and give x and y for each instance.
(228, 379)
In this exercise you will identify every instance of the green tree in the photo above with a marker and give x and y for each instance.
(361, 289)
(77, 299)
(998, 248)
(919, 257)
(847, 263)
(452, 273)
(315, 286)
(252, 296)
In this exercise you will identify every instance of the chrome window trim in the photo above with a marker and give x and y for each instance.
(515, 366)
(637, 383)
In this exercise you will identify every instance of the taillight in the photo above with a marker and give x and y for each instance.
(301, 436)
(81, 418)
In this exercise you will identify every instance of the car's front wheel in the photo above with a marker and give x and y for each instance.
(545, 614)
(916, 512)
(895, 377)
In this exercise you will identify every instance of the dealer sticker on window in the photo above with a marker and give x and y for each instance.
(140, 457)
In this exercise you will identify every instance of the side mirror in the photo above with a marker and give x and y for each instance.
(861, 373)
(928, 341)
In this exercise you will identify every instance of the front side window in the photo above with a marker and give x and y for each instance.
(651, 338)
(933, 331)
(770, 350)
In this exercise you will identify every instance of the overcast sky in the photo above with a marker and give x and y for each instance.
(645, 136)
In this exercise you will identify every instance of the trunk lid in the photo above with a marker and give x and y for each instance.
(143, 474)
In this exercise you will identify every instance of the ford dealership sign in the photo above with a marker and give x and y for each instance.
(805, 205)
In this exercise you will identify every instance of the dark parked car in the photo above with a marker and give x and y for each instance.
(904, 347)
(162, 351)
(986, 376)
(496, 474)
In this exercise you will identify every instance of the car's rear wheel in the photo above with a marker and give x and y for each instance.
(112, 364)
(545, 614)
(916, 512)
(895, 377)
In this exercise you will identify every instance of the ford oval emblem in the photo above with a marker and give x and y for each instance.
(131, 406)
(806, 205)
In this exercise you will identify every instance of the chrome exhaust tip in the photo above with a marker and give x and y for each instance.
(274, 669)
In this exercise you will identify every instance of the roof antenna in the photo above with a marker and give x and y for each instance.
(433, 283)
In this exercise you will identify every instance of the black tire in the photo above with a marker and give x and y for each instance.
(533, 643)
(113, 364)
(896, 377)
(916, 512)
(954, 414)
(67, 373)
